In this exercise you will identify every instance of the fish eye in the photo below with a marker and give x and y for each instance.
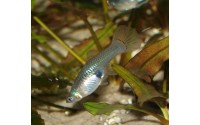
(70, 99)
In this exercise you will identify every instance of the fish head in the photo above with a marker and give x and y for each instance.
(74, 97)
(85, 86)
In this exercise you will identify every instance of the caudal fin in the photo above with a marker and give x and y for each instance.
(128, 36)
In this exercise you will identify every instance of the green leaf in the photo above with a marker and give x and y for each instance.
(36, 118)
(32, 4)
(149, 61)
(104, 108)
(100, 108)
(144, 92)
(163, 108)
(39, 38)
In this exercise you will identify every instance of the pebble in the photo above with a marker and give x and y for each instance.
(100, 118)
(129, 101)
(159, 76)
(113, 121)
(126, 101)
(67, 113)
(113, 118)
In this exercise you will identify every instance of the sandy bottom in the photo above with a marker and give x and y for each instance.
(108, 94)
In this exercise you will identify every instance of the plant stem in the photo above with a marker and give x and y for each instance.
(105, 8)
(58, 55)
(165, 86)
(84, 18)
(58, 39)
(96, 40)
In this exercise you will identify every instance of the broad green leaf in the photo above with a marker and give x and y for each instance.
(144, 92)
(36, 118)
(104, 108)
(149, 61)
(87, 45)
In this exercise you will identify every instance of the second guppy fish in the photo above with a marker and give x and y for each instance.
(94, 71)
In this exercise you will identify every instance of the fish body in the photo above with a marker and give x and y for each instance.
(123, 5)
(94, 71)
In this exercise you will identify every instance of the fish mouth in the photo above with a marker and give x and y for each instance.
(76, 98)
(70, 99)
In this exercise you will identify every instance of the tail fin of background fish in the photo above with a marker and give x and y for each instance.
(128, 36)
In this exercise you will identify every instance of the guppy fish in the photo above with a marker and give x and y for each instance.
(123, 5)
(94, 71)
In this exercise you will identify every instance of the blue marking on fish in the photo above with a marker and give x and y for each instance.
(98, 73)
